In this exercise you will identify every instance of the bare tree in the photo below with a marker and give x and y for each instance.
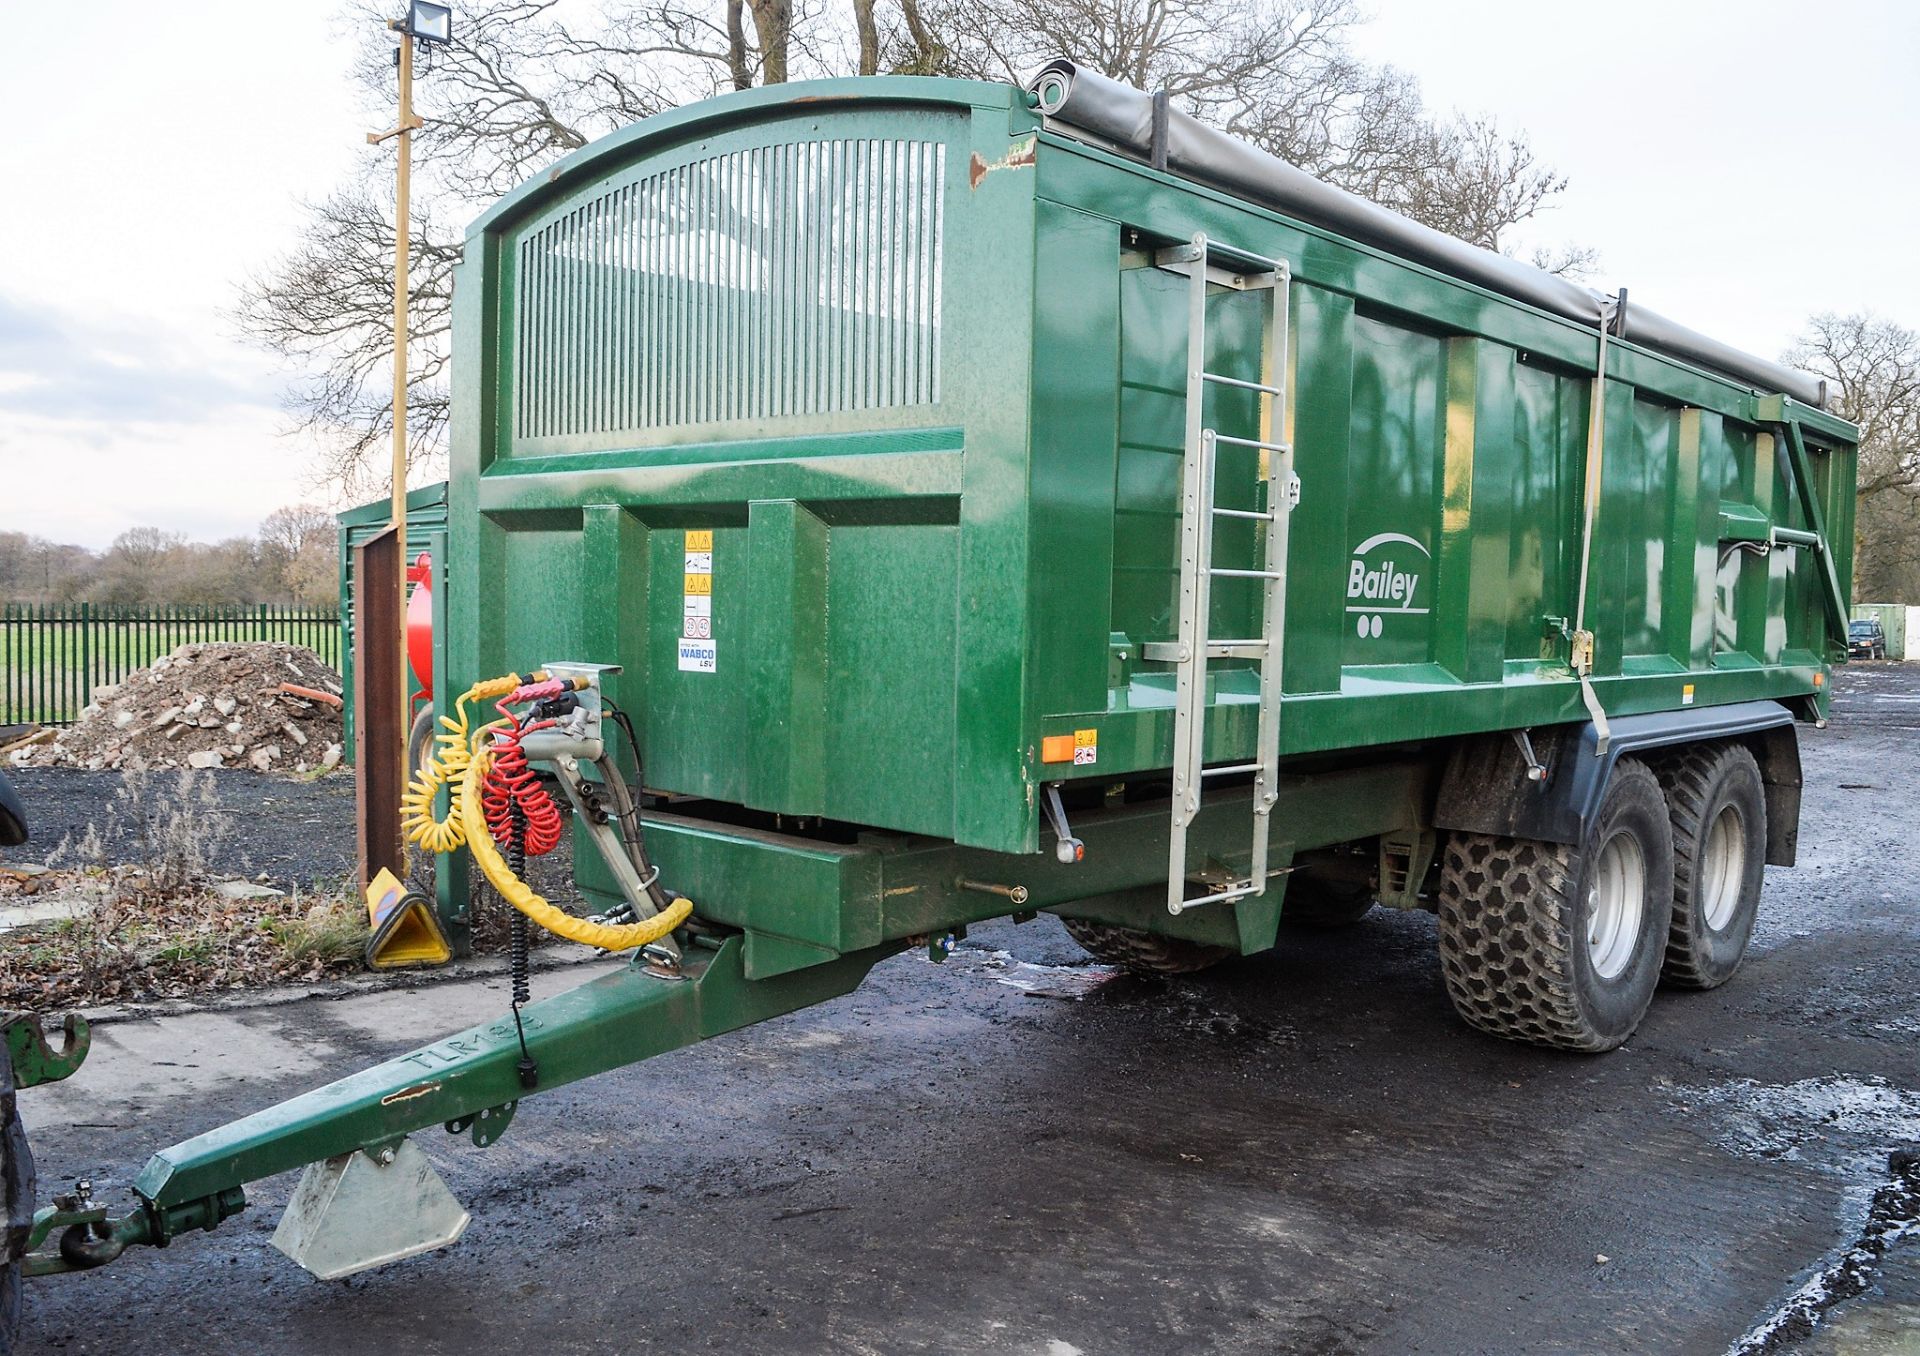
(132, 569)
(36, 570)
(1872, 365)
(298, 554)
(528, 81)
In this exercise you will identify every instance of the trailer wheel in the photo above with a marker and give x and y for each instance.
(1555, 944)
(1718, 806)
(1145, 953)
(420, 741)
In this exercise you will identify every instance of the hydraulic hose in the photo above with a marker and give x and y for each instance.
(472, 814)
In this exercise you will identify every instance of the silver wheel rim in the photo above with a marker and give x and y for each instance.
(1723, 868)
(1616, 901)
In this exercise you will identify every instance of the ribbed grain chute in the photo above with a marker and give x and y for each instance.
(763, 283)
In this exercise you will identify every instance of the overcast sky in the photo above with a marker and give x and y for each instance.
(1737, 165)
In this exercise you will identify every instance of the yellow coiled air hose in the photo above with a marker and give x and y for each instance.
(444, 768)
(606, 936)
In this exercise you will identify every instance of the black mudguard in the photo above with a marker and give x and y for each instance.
(1486, 789)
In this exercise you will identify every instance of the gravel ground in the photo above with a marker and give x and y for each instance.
(299, 832)
(1303, 1151)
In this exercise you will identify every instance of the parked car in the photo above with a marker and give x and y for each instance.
(1866, 639)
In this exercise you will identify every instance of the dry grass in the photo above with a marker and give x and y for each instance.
(128, 943)
(154, 924)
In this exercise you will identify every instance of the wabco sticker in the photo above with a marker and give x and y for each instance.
(1383, 580)
(697, 648)
(697, 655)
(1086, 747)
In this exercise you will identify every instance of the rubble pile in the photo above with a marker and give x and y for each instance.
(264, 705)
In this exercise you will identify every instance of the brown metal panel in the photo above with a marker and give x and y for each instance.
(379, 703)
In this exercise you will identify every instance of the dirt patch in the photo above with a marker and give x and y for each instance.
(263, 705)
(140, 905)
(126, 941)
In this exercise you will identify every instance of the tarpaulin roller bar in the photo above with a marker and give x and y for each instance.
(1086, 101)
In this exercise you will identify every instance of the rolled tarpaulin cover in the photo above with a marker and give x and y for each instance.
(1086, 101)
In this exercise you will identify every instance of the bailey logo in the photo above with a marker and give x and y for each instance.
(1383, 580)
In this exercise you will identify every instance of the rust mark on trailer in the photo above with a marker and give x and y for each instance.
(1021, 155)
(408, 1094)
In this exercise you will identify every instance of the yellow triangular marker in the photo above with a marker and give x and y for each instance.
(406, 931)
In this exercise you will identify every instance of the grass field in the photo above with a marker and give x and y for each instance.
(51, 658)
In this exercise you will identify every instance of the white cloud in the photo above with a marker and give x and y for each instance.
(158, 154)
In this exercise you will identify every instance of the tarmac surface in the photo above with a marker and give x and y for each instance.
(1017, 1152)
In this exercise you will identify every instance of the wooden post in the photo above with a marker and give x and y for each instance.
(380, 575)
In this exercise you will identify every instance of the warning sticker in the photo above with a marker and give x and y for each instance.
(697, 654)
(1086, 747)
(697, 649)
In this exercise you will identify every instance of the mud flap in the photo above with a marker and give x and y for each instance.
(362, 1210)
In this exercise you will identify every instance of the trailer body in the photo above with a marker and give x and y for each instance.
(847, 419)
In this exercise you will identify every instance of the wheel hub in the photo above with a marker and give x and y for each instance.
(1723, 868)
(1616, 902)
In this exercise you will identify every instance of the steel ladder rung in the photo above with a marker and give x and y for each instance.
(1168, 651)
(1242, 513)
(1245, 574)
(1214, 247)
(1229, 769)
(1225, 380)
(1251, 442)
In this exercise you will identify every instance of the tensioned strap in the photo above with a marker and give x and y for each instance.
(1581, 653)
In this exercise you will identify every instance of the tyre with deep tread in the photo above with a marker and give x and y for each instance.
(1718, 807)
(1143, 952)
(1558, 944)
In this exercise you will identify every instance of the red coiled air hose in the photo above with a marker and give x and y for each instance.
(510, 781)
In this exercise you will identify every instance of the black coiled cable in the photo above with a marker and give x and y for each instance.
(519, 937)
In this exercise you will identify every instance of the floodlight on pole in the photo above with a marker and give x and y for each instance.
(428, 23)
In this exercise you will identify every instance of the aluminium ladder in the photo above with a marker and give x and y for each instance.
(1209, 264)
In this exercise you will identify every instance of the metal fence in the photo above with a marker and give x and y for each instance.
(53, 657)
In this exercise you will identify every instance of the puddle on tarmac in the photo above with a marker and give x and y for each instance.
(1072, 983)
(1876, 1324)
(1863, 1299)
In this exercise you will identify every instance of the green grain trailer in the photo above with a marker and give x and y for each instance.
(999, 501)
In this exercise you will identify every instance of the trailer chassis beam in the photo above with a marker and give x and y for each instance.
(615, 1020)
